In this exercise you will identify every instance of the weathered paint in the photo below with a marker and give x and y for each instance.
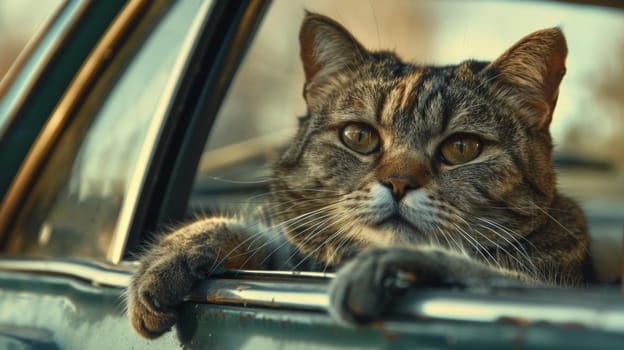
(54, 312)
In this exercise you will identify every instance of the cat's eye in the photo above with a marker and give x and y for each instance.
(460, 149)
(360, 137)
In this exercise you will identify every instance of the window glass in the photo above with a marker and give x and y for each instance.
(19, 21)
(260, 111)
(74, 207)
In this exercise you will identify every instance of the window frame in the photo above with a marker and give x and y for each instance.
(162, 184)
(163, 197)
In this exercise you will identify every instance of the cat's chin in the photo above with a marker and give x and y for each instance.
(398, 223)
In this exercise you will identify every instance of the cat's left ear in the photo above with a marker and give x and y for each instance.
(530, 73)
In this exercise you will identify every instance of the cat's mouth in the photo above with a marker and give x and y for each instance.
(396, 221)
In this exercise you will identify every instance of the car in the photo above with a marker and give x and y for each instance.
(130, 117)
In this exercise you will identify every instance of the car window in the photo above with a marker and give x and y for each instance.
(19, 22)
(261, 109)
(76, 202)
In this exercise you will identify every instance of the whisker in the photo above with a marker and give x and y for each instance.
(333, 236)
(318, 220)
(256, 235)
(343, 244)
(478, 247)
(272, 193)
(555, 221)
(508, 254)
(238, 182)
(512, 235)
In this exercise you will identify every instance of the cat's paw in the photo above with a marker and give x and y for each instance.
(172, 268)
(360, 292)
(159, 287)
(155, 292)
(366, 286)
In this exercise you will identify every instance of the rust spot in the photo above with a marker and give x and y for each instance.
(376, 324)
(516, 321)
(392, 336)
(216, 313)
(451, 340)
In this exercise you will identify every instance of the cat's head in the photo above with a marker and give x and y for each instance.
(398, 153)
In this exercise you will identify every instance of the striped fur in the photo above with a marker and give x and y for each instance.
(502, 207)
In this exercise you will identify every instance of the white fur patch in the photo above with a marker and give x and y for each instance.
(382, 202)
(418, 208)
(380, 206)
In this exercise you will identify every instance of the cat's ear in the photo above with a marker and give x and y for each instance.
(327, 47)
(530, 73)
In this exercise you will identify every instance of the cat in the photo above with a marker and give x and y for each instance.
(400, 175)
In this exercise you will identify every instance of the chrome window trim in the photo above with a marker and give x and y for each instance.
(128, 209)
(564, 308)
(523, 307)
(44, 46)
(307, 291)
(93, 272)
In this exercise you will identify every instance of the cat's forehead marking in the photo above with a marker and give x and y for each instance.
(400, 97)
(409, 84)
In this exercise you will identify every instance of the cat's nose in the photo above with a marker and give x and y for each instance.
(400, 185)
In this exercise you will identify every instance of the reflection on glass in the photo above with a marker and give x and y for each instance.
(74, 208)
(19, 21)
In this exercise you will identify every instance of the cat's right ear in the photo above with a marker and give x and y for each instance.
(530, 72)
(327, 47)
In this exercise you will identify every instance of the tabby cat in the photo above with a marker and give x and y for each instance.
(400, 175)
